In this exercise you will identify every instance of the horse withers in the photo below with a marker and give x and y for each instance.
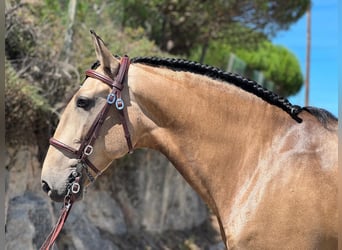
(266, 168)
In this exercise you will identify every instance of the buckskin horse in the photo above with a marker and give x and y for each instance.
(266, 168)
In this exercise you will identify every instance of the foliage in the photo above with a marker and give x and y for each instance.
(178, 25)
(105, 17)
(36, 31)
(38, 81)
(217, 54)
(25, 106)
(278, 64)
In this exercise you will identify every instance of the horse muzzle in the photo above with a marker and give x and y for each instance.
(73, 188)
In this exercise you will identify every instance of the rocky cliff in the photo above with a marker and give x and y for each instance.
(140, 202)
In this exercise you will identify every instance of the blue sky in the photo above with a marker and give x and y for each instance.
(324, 54)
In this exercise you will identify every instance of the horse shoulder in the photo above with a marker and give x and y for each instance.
(291, 196)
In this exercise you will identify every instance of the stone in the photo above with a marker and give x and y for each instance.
(104, 212)
(153, 195)
(28, 221)
(140, 201)
(80, 233)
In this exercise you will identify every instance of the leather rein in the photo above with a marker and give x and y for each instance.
(86, 147)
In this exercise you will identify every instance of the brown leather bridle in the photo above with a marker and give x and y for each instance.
(86, 147)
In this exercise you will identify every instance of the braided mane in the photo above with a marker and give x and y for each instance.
(232, 78)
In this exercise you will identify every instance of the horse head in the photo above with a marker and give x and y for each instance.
(90, 134)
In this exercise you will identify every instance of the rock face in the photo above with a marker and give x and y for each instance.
(140, 197)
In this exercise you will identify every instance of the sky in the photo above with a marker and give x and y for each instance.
(324, 54)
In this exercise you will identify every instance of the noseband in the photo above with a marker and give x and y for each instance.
(86, 147)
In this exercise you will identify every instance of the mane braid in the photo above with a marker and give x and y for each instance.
(216, 73)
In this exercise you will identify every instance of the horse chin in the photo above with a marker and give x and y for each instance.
(61, 197)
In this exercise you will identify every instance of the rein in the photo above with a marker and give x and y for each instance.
(69, 199)
(86, 147)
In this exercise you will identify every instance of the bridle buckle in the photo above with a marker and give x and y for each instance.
(119, 104)
(111, 98)
(75, 188)
(88, 150)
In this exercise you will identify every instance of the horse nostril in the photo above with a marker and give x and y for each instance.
(45, 187)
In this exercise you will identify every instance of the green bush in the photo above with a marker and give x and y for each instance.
(278, 64)
(26, 111)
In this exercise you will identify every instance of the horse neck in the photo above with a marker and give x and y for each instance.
(208, 130)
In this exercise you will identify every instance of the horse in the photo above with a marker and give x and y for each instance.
(265, 167)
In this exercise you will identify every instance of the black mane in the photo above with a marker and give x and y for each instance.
(322, 115)
(242, 82)
(232, 78)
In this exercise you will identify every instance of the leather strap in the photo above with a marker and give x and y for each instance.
(69, 151)
(86, 146)
(126, 131)
(103, 78)
(68, 202)
(117, 86)
(57, 228)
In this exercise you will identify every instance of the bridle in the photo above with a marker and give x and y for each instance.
(86, 147)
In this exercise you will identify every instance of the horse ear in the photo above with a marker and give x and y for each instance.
(105, 57)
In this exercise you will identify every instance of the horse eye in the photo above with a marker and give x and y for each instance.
(83, 102)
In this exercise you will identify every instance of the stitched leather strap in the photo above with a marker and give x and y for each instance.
(103, 78)
(87, 143)
(57, 229)
(85, 148)
(68, 202)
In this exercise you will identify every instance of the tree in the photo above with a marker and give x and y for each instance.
(68, 42)
(278, 64)
(178, 25)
